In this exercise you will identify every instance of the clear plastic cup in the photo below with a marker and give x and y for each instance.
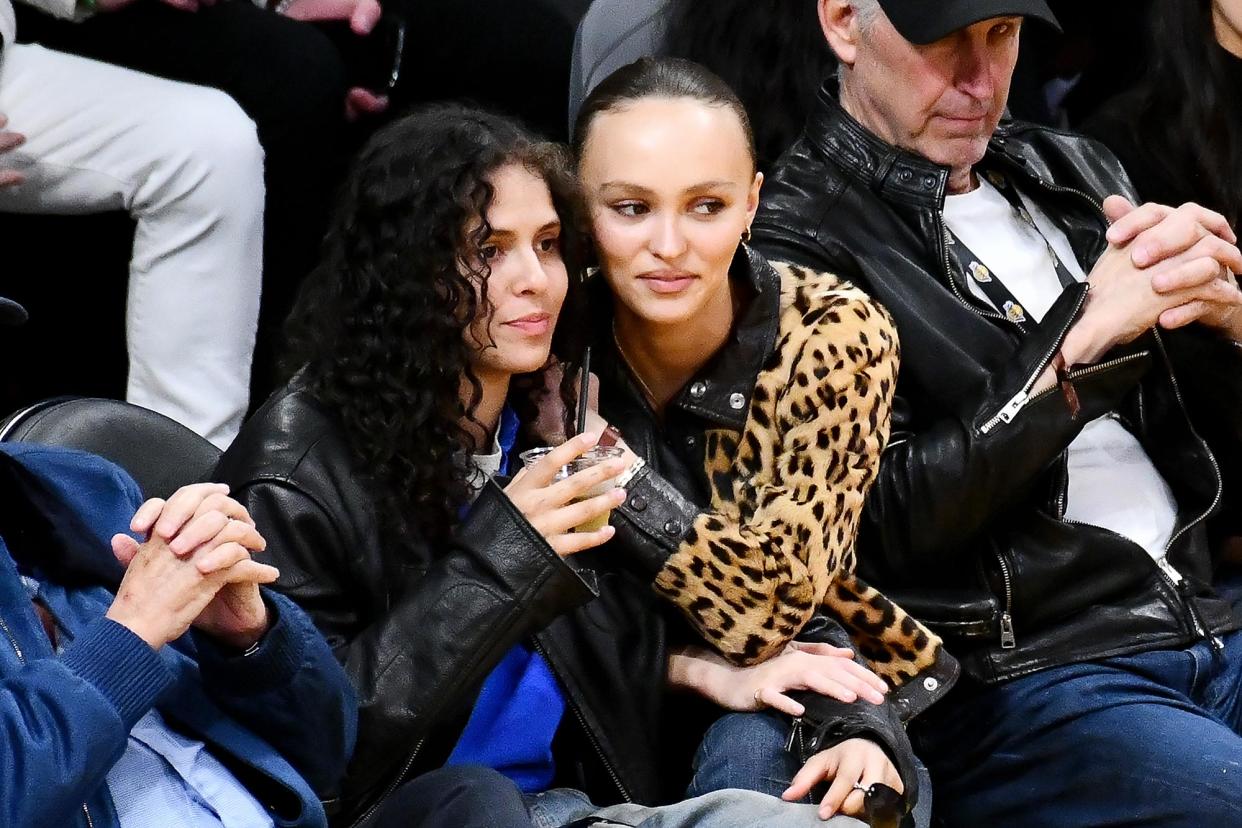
(586, 460)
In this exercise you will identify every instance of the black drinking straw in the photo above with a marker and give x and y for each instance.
(584, 389)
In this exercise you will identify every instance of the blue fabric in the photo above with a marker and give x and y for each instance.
(509, 425)
(1148, 739)
(166, 779)
(520, 705)
(514, 720)
(67, 717)
(746, 751)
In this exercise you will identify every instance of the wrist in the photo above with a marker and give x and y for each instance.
(693, 668)
(611, 436)
(242, 638)
(1233, 327)
(151, 637)
(1082, 344)
(245, 642)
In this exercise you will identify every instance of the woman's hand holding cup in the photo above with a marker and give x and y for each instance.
(567, 489)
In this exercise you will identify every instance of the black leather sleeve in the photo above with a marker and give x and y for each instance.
(653, 521)
(449, 624)
(1209, 371)
(941, 482)
(828, 721)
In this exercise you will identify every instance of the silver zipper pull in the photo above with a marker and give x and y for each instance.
(793, 734)
(1006, 414)
(1012, 407)
(1167, 568)
(1008, 640)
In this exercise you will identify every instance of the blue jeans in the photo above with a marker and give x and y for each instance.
(562, 808)
(1149, 739)
(467, 796)
(747, 751)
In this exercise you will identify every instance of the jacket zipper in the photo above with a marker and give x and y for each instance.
(409, 763)
(948, 272)
(1008, 639)
(1166, 570)
(573, 705)
(21, 657)
(1020, 400)
(1183, 590)
(795, 735)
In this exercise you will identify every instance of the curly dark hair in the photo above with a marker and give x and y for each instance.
(377, 332)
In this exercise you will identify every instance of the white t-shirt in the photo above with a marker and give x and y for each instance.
(481, 468)
(1112, 482)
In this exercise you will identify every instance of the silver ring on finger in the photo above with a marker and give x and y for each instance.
(858, 786)
(758, 693)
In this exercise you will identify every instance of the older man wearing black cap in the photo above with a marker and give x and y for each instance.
(1061, 488)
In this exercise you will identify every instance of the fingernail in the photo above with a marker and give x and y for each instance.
(589, 438)
(1141, 256)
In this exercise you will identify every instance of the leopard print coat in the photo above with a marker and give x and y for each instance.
(777, 541)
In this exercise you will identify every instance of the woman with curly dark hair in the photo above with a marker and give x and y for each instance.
(440, 285)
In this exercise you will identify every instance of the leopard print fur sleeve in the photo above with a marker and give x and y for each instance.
(787, 492)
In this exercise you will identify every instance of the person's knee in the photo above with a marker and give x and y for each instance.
(762, 733)
(223, 136)
(744, 750)
(454, 794)
(206, 156)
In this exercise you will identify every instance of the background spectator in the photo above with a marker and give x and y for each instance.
(185, 163)
(770, 52)
(1179, 132)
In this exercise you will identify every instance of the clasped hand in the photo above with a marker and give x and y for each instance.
(194, 569)
(1164, 266)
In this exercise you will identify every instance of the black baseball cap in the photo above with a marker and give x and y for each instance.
(926, 21)
(11, 313)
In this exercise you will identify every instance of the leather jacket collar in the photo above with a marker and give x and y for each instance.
(894, 173)
(720, 392)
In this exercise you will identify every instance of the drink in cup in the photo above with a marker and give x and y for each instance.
(584, 461)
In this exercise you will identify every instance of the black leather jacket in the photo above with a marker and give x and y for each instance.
(667, 495)
(965, 527)
(419, 634)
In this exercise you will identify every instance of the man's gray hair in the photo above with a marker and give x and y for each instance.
(868, 12)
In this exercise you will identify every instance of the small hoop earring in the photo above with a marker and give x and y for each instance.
(746, 236)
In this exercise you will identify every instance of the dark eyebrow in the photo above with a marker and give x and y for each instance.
(501, 234)
(498, 234)
(641, 190)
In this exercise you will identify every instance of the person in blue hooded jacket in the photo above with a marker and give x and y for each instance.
(153, 683)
